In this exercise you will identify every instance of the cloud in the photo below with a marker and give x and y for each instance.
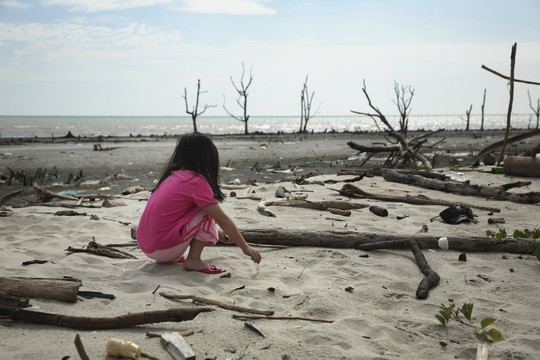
(104, 5)
(16, 5)
(229, 7)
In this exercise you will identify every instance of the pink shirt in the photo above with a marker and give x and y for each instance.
(170, 207)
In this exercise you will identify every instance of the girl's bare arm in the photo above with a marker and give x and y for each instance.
(229, 228)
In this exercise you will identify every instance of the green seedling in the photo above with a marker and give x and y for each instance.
(446, 313)
(499, 235)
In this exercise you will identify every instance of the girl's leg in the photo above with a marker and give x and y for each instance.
(193, 260)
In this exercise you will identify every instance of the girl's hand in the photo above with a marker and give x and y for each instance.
(224, 238)
(253, 254)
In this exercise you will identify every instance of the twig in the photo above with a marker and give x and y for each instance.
(249, 317)
(201, 300)
(80, 348)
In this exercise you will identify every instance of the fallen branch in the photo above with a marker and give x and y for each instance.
(431, 278)
(98, 249)
(201, 300)
(247, 317)
(353, 240)
(354, 191)
(337, 239)
(101, 323)
(463, 188)
(80, 348)
(497, 145)
(334, 206)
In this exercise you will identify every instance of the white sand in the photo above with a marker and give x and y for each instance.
(379, 319)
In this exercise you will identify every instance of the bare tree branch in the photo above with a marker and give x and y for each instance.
(195, 109)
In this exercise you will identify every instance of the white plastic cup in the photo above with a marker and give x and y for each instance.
(443, 243)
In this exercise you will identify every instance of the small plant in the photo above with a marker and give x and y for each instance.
(499, 235)
(448, 312)
(527, 234)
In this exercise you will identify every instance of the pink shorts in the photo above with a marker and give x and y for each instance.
(201, 227)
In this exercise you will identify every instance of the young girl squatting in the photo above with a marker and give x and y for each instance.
(183, 209)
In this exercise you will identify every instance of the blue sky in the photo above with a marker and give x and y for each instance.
(135, 57)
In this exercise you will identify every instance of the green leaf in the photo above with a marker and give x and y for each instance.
(518, 234)
(466, 310)
(487, 321)
(538, 253)
(494, 335)
(442, 319)
(489, 233)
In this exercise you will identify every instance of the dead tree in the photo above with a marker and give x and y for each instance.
(468, 118)
(306, 102)
(404, 152)
(536, 110)
(512, 80)
(403, 103)
(195, 109)
(242, 91)
(482, 108)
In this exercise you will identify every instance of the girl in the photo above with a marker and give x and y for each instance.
(183, 209)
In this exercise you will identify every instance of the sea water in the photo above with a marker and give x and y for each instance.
(47, 126)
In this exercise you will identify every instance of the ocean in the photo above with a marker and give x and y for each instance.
(47, 126)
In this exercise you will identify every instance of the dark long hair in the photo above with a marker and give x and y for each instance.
(195, 152)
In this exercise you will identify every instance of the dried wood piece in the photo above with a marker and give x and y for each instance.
(80, 348)
(463, 188)
(431, 278)
(252, 317)
(94, 248)
(351, 239)
(334, 206)
(354, 191)
(100, 323)
(495, 146)
(13, 300)
(202, 300)
(46, 288)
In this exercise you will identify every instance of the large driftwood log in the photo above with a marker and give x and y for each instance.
(350, 239)
(58, 289)
(463, 188)
(98, 323)
(354, 240)
(354, 191)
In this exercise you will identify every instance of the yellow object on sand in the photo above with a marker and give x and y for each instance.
(121, 348)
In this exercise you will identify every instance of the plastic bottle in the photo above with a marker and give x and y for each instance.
(121, 348)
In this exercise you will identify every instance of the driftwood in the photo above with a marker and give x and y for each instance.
(98, 249)
(45, 288)
(80, 348)
(100, 323)
(13, 300)
(202, 300)
(431, 278)
(351, 239)
(463, 188)
(497, 145)
(354, 191)
(250, 317)
(333, 206)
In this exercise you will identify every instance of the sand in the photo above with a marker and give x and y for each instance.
(368, 296)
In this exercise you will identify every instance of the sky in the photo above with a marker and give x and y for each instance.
(139, 57)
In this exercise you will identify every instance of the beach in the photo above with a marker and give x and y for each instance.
(328, 302)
